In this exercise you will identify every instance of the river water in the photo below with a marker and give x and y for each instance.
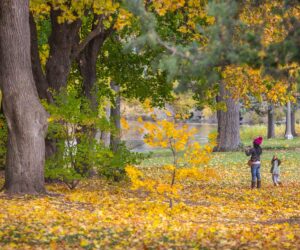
(134, 140)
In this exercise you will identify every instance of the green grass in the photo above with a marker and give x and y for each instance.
(248, 133)
(233, 169)
(283, 148)
(234, 164)
(277, 143)
(164, 157)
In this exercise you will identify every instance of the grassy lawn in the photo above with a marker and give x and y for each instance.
(277, 143)
(286, 149)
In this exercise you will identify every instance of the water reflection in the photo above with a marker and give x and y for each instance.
(134, 140)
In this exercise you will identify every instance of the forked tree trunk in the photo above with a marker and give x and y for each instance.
(228, 123)
(271, 121)
(115, 138)
(26, 118)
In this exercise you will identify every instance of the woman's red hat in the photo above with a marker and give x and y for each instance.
(258, 140)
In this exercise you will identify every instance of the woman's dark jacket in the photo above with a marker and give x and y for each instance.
(255, 153)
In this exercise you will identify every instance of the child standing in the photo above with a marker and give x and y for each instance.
(275, 170)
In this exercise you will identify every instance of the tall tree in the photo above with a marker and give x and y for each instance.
(87, 59)
(293, 119)
(131, 76)
(216, 45)
(271, 121)
(66, 44)
(115, 138)
(228, 122)
(26, 118)
(288, 130)
(62, 41)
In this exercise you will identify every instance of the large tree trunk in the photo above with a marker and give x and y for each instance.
(115, 138)
(271, 121)
(63, 40)
(26, 118)
(293, 120)
(228, 123)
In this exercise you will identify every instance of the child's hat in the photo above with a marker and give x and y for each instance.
(258, 140)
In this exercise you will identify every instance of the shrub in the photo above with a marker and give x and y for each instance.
(187, 159)
(73, 125)
(114, 167)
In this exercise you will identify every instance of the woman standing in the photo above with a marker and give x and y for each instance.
(254, 162)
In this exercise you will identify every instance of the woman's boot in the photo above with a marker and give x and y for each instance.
(253, 184)
(258, 184)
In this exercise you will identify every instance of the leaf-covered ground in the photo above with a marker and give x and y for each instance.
(220, 214)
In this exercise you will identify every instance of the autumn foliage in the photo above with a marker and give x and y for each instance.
(188, 158)
(212, 213)
(88, 57)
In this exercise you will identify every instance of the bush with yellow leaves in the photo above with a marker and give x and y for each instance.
(187, 157)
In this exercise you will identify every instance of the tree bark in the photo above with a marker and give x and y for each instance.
(38, 74)
(26, 118)
(288, 128)
(87, 59)
(228, 123)
(271, 122)
(293, 120)
(87, 64)
(63, 40)
(105, 135)
(115, 138)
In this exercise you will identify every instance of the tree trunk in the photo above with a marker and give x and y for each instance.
(228, 123)
(115, 138)
(87, 64)
(26, 118)
(38, 74)
(63, 39)
(271, 121)
(293, 120)
(105, 135)
(288, 125)
(87, 61)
